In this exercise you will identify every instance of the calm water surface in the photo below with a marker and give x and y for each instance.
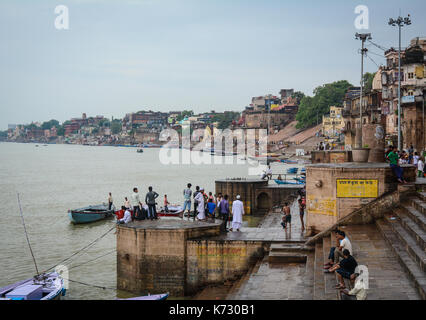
(52, 179)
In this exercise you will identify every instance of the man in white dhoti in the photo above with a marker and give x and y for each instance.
(237, 214)
(200, 207)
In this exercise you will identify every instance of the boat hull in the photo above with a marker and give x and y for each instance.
(78, 217)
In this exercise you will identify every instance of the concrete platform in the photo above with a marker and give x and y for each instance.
(169, 223)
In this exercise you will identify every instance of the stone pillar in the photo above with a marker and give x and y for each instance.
(374, 137)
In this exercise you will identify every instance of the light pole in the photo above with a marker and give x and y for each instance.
(363, 37)
(400, 22)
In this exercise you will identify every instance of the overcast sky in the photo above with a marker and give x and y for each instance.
(128, 55)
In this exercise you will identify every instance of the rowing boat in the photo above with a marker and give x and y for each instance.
(90, 213)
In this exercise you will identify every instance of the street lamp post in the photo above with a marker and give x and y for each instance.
(363, 37)
(400, 22)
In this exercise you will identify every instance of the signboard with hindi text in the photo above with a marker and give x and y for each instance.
(357, 188)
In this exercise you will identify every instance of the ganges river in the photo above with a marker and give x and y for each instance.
(54, 178)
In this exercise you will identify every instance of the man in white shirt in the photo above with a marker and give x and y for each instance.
(127, 216)
(358, 292)
(237, 214)
(420, 168)
(342, 243)
(136, 203)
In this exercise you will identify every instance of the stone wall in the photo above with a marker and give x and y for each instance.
(179, 259)
(332, 156)
(217, 261)
(325, 207)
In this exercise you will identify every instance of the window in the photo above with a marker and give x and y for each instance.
(410, 75)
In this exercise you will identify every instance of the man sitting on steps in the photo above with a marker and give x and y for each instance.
(345, 269)
(342, 243)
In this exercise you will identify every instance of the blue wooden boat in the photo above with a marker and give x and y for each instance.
(292, 170)
(46, 286)
(90, 214)
(162, 296)
(288, 182)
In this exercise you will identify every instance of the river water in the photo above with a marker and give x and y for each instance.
(54, 178)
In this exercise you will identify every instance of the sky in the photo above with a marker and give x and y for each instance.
(122, 56)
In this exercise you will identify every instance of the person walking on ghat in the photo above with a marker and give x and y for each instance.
(187, 193)
(197, 191)
(110, 200)
(301, 212)
(200, 205)
(237, 214)
(136, 203)
(150, 201)
(224, 213)
(287, 216)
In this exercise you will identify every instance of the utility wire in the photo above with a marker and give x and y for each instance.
(82, 249)
(372, 60)
(26, 234)
(378, 46)
(81, 264)
(91, 285)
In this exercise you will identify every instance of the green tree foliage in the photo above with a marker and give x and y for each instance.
(183, 114)
(298, 95)
(50, 124)
(116, 126)
(60, 131)
(225, 119)
(368, 81)
(313, 108)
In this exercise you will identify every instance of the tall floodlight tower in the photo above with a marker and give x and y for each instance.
(400, 22)
(363, 37)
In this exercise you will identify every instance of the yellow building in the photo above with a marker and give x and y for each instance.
(332, 123)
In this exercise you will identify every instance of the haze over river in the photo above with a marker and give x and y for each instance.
(52, 179)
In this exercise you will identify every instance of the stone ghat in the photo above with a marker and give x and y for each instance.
(181, 257)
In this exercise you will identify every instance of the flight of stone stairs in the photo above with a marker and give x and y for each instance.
(324, 284)
(404, 228)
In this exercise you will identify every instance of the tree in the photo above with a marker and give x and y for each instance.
(298, 95)
(225, 119)
(183, 114)
(313, 108)
(50, 124)
(368, 81)
(116, 126)
(60, 131)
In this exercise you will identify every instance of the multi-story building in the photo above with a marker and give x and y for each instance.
(333, 123)
(413, 87)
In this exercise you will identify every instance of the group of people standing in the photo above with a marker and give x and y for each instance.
(209, 206)
(397, 158)
(140, 211)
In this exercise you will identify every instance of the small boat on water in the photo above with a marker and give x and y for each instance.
(292, 170)
(139, 151)
(162, 296)
(173, 211)
(90, 213)
(46, 286)
(288, 182)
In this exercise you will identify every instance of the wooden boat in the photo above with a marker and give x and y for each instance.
(47, 286)
(162, 296)
(174, 211)
(90, 214)
(139, 151)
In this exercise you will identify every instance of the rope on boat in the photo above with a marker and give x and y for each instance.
(73, 267)
(92, 285)
(82, 249)
(26, 234)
